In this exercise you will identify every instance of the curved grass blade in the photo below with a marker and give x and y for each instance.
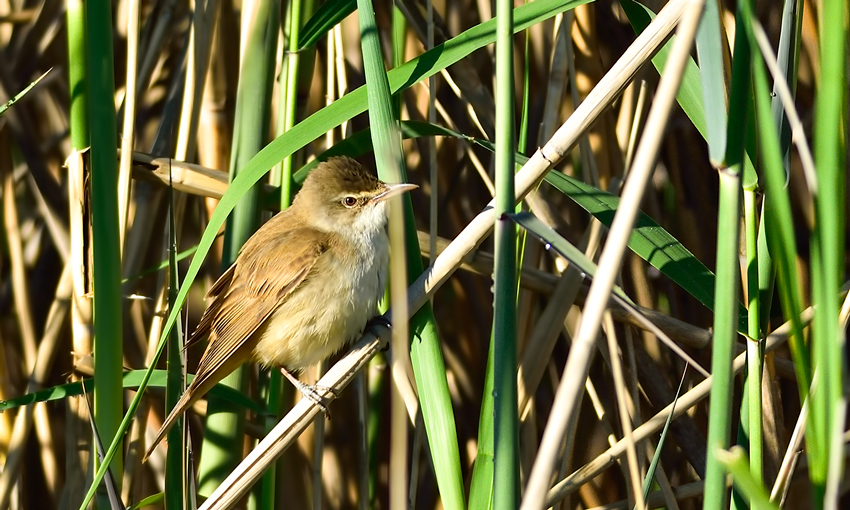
(588, 268)
(735, 462)
(649, 241)
(131, 380)
(653, 465)
(325, 18)
(5, 106)
(690, 92)
(162, 265)
(710, 49)
(108, 479)
(360, 143)
(153, 499)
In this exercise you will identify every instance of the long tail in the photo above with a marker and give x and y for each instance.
(189, 397)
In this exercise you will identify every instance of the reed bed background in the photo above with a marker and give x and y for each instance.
(530, 377)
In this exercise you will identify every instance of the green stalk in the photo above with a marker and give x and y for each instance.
(506, 421)
(728, 270)
(288, 103)
(741, 137)
(780, 239)
(481, 491)
(779, 225)
(754, 346)
(725, 321)
(106, 309)
(828, 239)
(224, 424)
(429, 370)
(77, 65)
(78, 119)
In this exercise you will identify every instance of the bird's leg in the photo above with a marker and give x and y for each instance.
(309, 391)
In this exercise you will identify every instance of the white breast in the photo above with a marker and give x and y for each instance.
(316, 321)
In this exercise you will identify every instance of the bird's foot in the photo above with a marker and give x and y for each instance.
(311, 391)
(373, 326)
(376, 322)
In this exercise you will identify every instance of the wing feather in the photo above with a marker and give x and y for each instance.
(264, 275)
(206, 322)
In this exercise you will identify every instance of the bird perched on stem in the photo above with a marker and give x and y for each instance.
(304, 285)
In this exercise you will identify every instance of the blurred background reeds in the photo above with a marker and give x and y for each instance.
(113, 165)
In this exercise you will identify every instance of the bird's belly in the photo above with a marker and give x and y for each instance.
(317, 320)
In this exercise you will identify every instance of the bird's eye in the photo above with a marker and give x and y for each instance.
(349, 201)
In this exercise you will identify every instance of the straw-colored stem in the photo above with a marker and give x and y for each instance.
(614, 354)
(566, 398)
(128, 131)
(654, 424)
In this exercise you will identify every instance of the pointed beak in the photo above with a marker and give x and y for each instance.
(391, 190)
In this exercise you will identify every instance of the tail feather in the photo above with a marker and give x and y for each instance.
(187, 399)
(210, 372)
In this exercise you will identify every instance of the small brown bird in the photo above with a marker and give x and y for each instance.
(303, 286)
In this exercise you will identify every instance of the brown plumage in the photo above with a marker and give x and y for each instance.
(305, 284)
